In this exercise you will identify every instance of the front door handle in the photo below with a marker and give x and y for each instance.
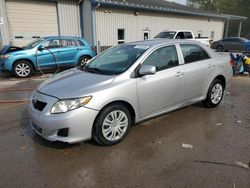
(210, 66)
(178, 74)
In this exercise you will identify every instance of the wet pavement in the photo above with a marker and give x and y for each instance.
(151, 155)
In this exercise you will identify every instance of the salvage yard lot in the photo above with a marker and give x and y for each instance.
(151, 156)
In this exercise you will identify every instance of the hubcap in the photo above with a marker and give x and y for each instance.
(84, 60)
(115, 125)
(22, 69)
(217, 92)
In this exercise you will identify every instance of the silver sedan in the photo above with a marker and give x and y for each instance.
(125, 85)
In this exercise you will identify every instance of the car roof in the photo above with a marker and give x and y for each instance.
(61, 37)
(236, 38)
(158, 42)
(177, 31)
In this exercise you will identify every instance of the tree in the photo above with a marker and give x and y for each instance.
(236, 7)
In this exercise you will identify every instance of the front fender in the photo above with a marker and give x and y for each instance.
(126, 92)
(9, 63)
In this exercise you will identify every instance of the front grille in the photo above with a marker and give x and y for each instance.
(1, 65)
(39, 105)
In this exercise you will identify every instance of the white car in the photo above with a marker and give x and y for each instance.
(183, 34)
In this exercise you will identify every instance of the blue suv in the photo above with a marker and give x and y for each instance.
(45, 53)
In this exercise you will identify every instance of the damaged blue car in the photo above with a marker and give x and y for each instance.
(45, 53)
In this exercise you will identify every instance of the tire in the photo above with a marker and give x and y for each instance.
(215, 94)
(108, 132)
(219, 48)
(83, 59)
(22, 69)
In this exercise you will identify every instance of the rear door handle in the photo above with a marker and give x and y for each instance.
(210, 66)
(178, 74)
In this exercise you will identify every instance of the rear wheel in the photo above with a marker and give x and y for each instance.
(112, 124)
(215, 94)
(22, 69)
(219, 48)
(84, 59)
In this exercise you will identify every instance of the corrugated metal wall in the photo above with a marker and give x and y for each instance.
(109, 20)
(4, 29)
(69, 18)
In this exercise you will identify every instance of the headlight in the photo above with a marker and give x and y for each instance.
(69, 104)
(5, 56)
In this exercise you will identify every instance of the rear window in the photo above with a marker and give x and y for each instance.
(188, 35)
(167, 34)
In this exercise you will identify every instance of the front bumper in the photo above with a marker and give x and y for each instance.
(78, 123)
(2, 64)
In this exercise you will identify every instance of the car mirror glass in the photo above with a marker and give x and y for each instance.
(40, 48)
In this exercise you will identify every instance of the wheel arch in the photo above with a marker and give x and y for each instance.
(24, 59)
(219, 77)
(125, 103)
(222, 47)
(88, 55)
(222, 79)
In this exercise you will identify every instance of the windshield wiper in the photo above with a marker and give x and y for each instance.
(95, 70)
(82, 66)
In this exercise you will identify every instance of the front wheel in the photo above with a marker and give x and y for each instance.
(219, 48)
(215, 94)
(22, 69)
(112, 124)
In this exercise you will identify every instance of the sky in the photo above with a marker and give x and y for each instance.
(184, 2)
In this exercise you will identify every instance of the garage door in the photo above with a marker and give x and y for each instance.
(29, 20)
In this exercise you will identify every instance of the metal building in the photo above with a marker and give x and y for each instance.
(105, 23)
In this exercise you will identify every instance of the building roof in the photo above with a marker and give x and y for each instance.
(165, 6)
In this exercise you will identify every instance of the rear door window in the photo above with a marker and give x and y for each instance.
(192, 53)
(69, 43)
(227, 40)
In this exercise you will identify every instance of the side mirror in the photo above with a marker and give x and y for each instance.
(40, 48)
(147, 70)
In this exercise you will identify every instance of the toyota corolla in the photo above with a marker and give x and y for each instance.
(125, 85)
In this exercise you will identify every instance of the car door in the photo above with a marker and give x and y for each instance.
(49, 57)
(198, 71)
(163, 90)
(227, 44)
(69, 52)
(239, 44)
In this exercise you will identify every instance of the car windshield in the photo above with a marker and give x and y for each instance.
(168, 35)
(116, 60)
(32, 44)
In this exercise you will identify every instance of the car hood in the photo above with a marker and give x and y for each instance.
(7, 49)
(74, 83)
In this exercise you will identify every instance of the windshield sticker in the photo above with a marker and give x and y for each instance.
(143, 47)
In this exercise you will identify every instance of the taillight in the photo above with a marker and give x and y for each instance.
(94, 48)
